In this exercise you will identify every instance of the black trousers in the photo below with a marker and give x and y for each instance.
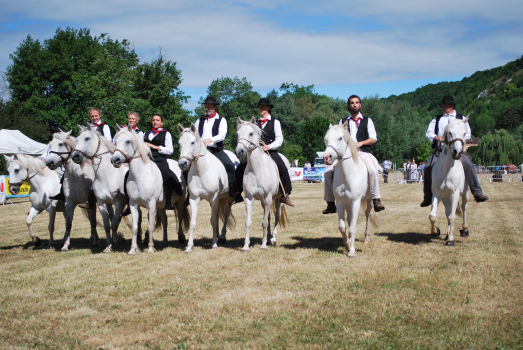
(282, 170)
(170, 181)
(470, 176)
(227, 163)
(386, 176)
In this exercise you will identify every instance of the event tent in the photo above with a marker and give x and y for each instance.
(13, 141)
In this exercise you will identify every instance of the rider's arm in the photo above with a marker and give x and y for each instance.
(430, 130)
(107, 133)
(222, 132)
(168, 148)
(468, 134)
(279, 136)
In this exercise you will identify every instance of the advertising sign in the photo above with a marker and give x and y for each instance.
(2, 189)
(313, 174)
(24, 189)
(296, 174)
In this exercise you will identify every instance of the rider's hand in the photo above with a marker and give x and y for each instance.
(206, 142)
(439, 138)
(266, 147)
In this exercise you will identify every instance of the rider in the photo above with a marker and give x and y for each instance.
(363, 132)
(272, 139)
(435, 135)
(132, 119)
(212, 129)
(98, 125)
(160, 142)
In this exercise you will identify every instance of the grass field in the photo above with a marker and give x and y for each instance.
(403, 290)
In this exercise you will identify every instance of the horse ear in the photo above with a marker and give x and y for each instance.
(330, 125)
(7, 158)
(253, 120)
(466, 119)
(346, 124)
(239, 121)
(129, 127)
(15, 156)
(180, 128)
(80, 128)
(117, 127)
(67, 134)
(193, 128)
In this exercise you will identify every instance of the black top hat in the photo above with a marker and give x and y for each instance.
(264, 102)
(211, 100)
(448, 100)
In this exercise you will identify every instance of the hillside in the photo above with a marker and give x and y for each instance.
(493, 98)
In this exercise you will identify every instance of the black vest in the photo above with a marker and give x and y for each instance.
(362, 134)
(268, 134)
(218, 146)
(436, 129)
(100, 128)
(158, 140)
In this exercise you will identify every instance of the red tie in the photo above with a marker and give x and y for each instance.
(207, 117)
(356, 120)
(263, 121)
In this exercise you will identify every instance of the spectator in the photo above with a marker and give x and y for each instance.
(421, 171)
(387, 164)
(308, 165)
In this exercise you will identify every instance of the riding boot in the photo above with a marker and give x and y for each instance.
(168, 194)
(91, 201)
(331, 208)
(286, 200)
(377, 205)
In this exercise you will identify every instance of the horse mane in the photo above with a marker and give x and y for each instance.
(32, 163)
(66, 138)
(141, 147)
(350, 142)
(110, 146)
(253, 125)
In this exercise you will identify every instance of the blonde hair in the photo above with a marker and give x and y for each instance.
(95, 109)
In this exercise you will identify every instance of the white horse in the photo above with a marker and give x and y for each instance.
(260, 181)
(351, 185)
(448, 180)
(206, 179)
(44, 183)
(77, 183)
(108, 184)
(145, 186)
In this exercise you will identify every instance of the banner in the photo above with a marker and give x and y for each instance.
(313, 174)
(24, 189)
(296, 174)
(2, 189)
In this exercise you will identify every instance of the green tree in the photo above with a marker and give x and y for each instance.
(498, 148)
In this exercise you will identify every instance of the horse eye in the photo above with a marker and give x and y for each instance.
(87, 138)
(60, 144)
(128, 141)
(192, 143)
(17, 170)
(341, 138)
(251, 134)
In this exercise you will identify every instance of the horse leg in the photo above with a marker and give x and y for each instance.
(265, 222)
(194, 203)
(91, 213)
(139, 232)
(69, 208)
(163, 216)
(432, 216)
(223, 236)
(150, 225)
(136, 214)
(110, 211)
(464, 202)
(50, 227)
(277, 216)
(181, 213)
(249, 203)
(368, 213)
(115, 221)
(33, 212)
(215, 222)
(353, 219)
(450, 210)
(107, 225)
(341, 223)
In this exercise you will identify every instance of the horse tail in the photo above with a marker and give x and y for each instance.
(459, 212)
(222, 206)
(85, 213)
(283, 214)
(374, 217)
(185, 213)
(157, 220)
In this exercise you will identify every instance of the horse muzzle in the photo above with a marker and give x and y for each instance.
(116, 161)
(77, 157)
(456, 155)
(14, 189)
(327, 158)
(184, 164)
(51, 164)
(240, 152)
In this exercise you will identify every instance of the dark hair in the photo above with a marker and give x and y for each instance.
(56, 128)
(157, 115)
(353, 96)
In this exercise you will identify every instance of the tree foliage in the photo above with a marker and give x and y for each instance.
(498, 148)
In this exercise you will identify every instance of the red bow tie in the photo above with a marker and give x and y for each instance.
(98, 124)
(134, 127)
(156, 131)
(357, 120)
(263, 121)
(207, 117)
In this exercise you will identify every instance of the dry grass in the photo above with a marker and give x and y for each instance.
(404, 289)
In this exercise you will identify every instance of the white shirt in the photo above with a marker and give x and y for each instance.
(278, 140)
(168, 148)
(207, 129)
(443, 122)
(106, 131)
(387, 164)
(353, 127)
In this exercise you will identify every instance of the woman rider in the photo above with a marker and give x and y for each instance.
(160, 142)
(272, 139)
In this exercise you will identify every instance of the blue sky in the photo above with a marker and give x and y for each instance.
(375, 47)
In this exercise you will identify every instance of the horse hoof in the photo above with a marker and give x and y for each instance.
(447, 237)
(245, 250)
(188, 251)
(37, 241)
(181, 239)
(351, 255)
(438, 232)
(366, 241)
(273, 243)
(449, 243)
(151, 250)
(108, 249)
(64, 249)
(464, 233)
(222, 240)
(264, 248)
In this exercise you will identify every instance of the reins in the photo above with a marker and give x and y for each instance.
(127, 159)
(95, 155)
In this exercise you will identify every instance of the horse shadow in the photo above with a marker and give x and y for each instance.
(414, 238)
(327, 244)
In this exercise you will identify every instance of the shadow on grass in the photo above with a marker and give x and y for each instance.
(328, 244)
(409, 237)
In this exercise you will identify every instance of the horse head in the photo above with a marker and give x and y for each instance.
(61, 146)
(86, 146)
(339, 144)
(454, 136)
(191, 146)
(17, 172)
(128, 147)
(248, 137)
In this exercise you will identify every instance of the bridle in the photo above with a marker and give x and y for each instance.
(448, 143)
(338, 155)
(95, 155)
(27, 178)
(193, 159)
(127, 158)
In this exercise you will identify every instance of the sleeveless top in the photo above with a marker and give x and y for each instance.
(158, 140)
(218, 146)
(268, 134)
(362, 134)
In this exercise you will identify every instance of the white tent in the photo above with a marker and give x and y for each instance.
(13, 141)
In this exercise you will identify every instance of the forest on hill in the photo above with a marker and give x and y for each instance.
(55, 82)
